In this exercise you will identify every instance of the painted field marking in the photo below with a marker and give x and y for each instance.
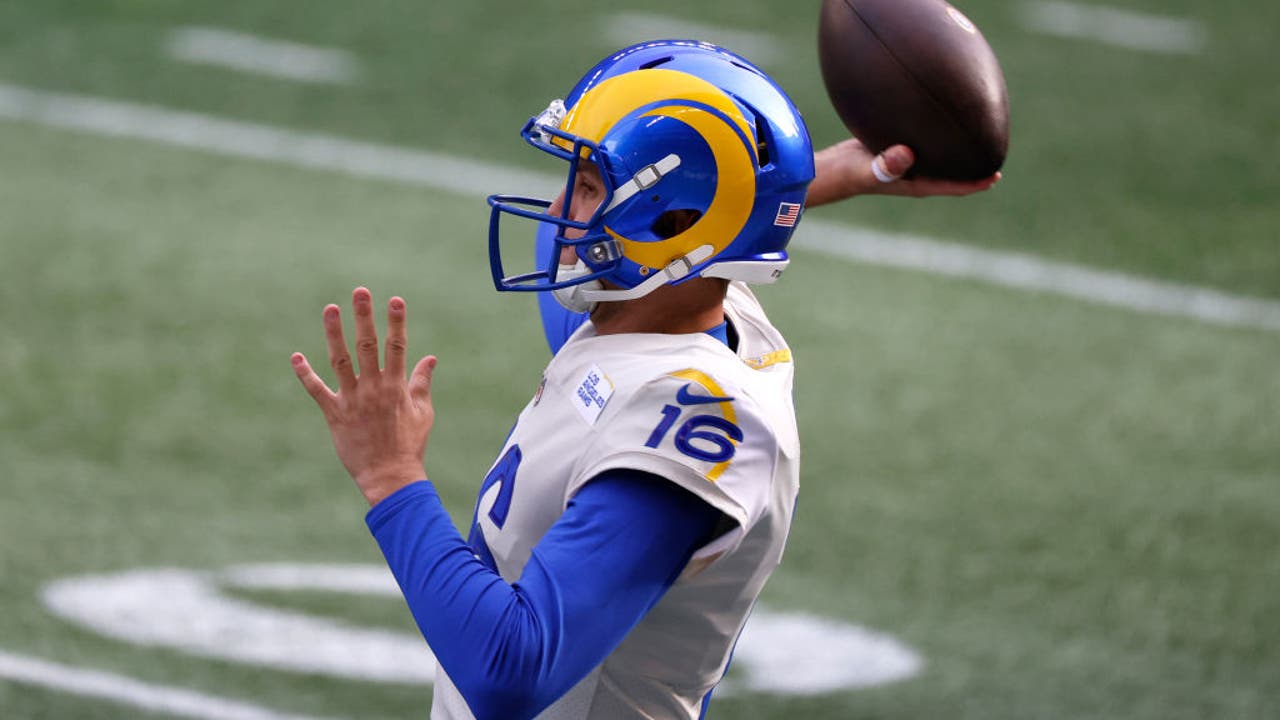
(186, 610)
(262, 56)
(234, 138)
(1033, 274)
(472, 177)
(779, 653)
(124, 690)
(626, 28)
(1112, 26)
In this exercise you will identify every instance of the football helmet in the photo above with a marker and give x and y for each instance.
(674, 125)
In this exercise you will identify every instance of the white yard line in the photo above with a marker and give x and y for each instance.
(476, 178)
(221, 136)
(1027, 272)
(631, 27)
(1112, 26)
(262, 56)
(124, 690)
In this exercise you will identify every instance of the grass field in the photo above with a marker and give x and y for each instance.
(1069, 510)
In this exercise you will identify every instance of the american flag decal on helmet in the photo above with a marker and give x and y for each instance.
(788, 214)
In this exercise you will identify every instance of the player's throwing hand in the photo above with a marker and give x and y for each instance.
(379, 421)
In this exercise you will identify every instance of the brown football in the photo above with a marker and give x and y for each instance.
(919, 73)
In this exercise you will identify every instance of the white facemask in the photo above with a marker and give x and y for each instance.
(571, 297)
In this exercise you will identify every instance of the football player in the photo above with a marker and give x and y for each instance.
(644, 495)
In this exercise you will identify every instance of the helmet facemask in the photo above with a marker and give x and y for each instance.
(543, 133)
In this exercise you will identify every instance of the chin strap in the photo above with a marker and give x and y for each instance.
(584, 297)
(675, 270)
(571, 297)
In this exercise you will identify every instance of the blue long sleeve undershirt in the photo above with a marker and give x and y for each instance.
(513, 649)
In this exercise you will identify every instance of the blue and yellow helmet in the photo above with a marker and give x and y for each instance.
(673, 126)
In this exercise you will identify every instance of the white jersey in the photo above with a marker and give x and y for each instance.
(687, 408)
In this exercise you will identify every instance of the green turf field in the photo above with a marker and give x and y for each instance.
(1069, 510)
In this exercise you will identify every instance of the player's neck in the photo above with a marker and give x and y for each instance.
(693, 307)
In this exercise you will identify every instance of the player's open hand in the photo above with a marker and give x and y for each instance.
(379, 421)
(848, 168)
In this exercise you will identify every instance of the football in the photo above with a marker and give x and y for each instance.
(919, 73)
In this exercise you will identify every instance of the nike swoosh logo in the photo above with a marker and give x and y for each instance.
(684, 397)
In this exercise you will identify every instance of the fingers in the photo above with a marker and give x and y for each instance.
(366, 331)
(397, 339)
(890, 166)
(339, 358)
(420, 380)
(311, 382)
(893, 163)
(366, 341)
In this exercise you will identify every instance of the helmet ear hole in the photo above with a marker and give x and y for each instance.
(673, 222)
